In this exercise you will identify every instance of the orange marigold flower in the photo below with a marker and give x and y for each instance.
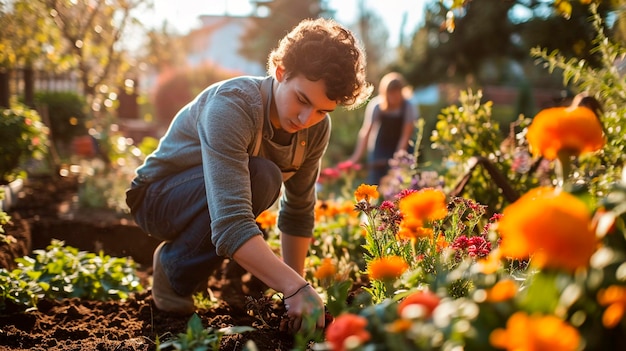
(347, 326)
(441, 243)
(536, 333)
(412, 229)
(502, 291)
(615, 297)
(399, 326)
(267, 219)
(576, 130)
(613, 315)
(364, 232)
(426, 299)
(366, 193)
(326, 270)
(387, 268)
(491, 263)
(347, 207)
(426, 204)
(554, 227)
(323, 209)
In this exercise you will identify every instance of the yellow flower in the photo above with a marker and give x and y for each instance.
(366, 193)
(554, 227)
(267, 219)
(387, 268)
(576, 130)
(615, 297)
(424, 205)
(535, 333)
(326, 270)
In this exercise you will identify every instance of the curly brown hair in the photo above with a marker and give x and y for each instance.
(322, 49)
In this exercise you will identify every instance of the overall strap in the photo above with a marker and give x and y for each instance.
(298, 156)
(301, 141)
(266, 89)
(405, 105)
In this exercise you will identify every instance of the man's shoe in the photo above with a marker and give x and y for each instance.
(165, 298)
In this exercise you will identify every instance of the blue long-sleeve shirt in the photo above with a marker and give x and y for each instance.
(218, 129)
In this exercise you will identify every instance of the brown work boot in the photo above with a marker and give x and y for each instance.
(165, 298)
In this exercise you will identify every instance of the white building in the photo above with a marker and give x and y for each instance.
(217, 43)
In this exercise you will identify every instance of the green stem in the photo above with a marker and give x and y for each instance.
(563, 168)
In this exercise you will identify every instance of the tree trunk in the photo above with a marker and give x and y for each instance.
(29, 86)
(5, 91)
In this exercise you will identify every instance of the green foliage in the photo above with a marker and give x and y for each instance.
(67, 112)
(104, 184)
(197, 338)
(309, 331)
(607, 84)
(264, 32)
(4, 219)
(338, 234)
(29, 34)
(346, 125)
(467, 130)
(19, 291)
(147, 145)
(466, 133)
(64, 272)
(22, 136)
(434, 55)
(337, 301)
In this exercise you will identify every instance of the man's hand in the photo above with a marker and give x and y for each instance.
(305, 312)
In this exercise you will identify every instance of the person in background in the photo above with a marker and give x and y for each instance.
(387, 127)
(231, 153)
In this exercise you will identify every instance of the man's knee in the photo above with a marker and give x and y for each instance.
(265, 172)
(266, 179)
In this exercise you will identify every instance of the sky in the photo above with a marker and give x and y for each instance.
(182, 15)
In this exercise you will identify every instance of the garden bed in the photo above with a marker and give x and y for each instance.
(45, 211)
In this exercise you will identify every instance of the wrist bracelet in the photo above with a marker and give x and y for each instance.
(297, 291)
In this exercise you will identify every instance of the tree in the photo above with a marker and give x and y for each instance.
(92, 30)
(571, 35)
(482, 32)
(374, 36)
(164, 49)
(264, 33)
(28, 38)
(457, 43)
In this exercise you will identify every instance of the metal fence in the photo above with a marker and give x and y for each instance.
(46, 81)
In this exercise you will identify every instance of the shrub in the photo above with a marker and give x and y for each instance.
(177, 88)
(64, 272)
(22, 136)
(67, 112)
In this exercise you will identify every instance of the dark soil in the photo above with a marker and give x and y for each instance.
(45, 210)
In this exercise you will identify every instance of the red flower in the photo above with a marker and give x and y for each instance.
(427, 299)
(347, 326)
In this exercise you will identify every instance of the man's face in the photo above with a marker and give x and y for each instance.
(300, 103)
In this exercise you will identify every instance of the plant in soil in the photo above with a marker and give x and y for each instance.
(198, 338)
(62, 271)
(414, 265)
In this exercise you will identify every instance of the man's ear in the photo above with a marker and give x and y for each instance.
(280, 73)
